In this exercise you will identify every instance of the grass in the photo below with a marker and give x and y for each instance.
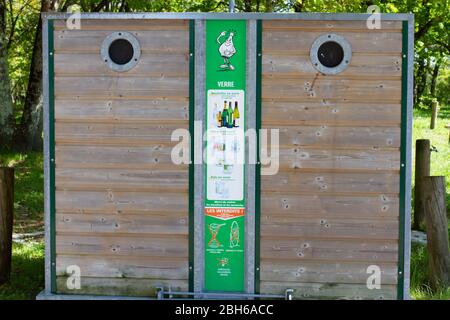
(440, 159)
(440, 166)
(420, 288)
(27, 272)
(27, 269)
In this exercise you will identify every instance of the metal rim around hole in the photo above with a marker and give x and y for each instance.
(346, 47)
(104, 51)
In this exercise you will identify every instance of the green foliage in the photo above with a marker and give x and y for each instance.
(22, 20)
(28, 184)
(443, 85)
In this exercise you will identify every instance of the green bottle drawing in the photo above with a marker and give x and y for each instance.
(230, 115)
(225, 114)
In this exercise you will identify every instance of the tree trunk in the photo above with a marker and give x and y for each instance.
(421, 81)
(29, 133)
(6, 221)
(434, 113)
(437, 233)
(434, 78)
(7, 121)
(422, 170)
(269, 6)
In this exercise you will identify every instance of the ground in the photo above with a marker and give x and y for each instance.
(27, 277)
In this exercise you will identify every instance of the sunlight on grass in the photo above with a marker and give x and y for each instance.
(27, 274)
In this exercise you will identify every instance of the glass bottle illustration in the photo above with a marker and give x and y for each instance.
(215, 112)
(219, 119)
(225, 114)
(236, 115)
(230, 115)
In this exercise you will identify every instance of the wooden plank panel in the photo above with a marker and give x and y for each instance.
(104, 155)
(121, 201)
(159, 41)
(126, 24)
(151, 223)
(329, 112)
(361, 66)
(338, 136)
(375, 206)
(324, 87)
(323, 182)
(113, 133)
(324, 271)
(302, 249)
(331, 158)
(140, 246)
(150, 64)
(280, 41)
(157, 109)
(121, 287)
(121, 178)
(329, 25)
(329, 290)
(124, 267)
(108, 87)
(293, 226)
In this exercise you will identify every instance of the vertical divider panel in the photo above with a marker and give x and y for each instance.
(191, 153)
(258, 163)
(199, 115)
(51, 154)
(249, 155)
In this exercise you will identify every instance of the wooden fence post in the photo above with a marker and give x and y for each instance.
(422, 170)
(6, 221)
(434, 113)
(437, 233)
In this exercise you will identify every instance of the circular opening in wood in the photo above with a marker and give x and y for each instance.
(120, 51)
(330, 54)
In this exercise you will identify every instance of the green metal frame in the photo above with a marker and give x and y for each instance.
(191, 164)
(51, 113)
(404, 122)
(258, 164)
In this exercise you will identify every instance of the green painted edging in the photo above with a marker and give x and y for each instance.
(258, 165)
(404, 122)
(191, 164)
(51, 137)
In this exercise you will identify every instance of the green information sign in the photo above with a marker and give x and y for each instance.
(225, 155)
